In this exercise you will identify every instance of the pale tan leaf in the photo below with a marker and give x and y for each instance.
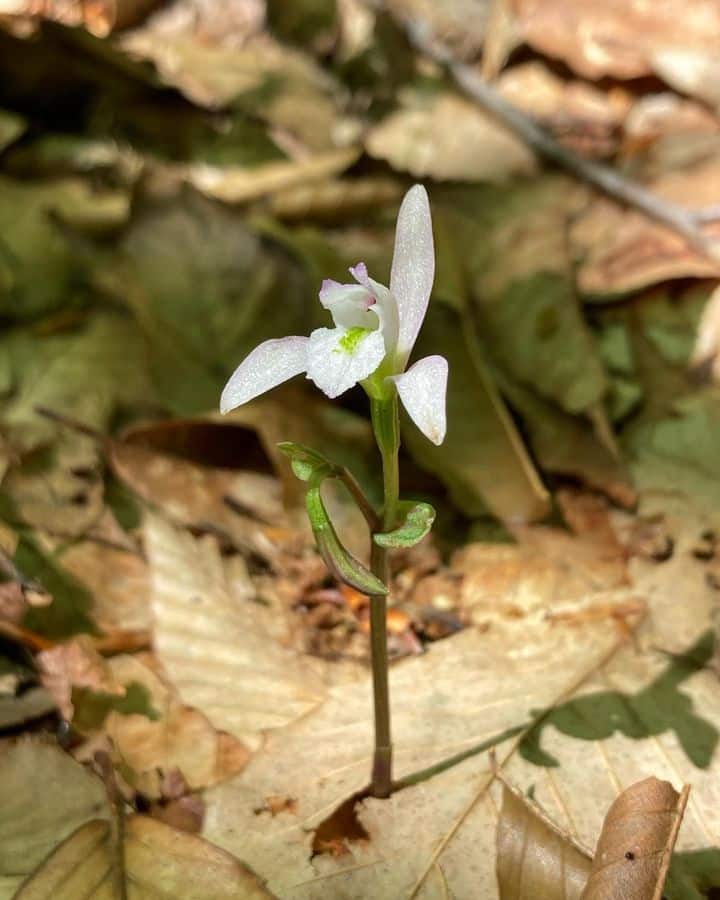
(221, 649)
(46, 795)
(118, 580)
(178, 739)
(158, 860)
(691, 71)
(636, 841)
(623, 250)
(235, 184)
(617, 37)
(467, 692)
(447, 137)
(535, 859)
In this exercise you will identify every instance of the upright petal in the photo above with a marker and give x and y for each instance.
(413, 266)
(338, 358)
(422, 390)
(385, 305)
(267, 366)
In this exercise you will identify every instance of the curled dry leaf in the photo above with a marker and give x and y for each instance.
(158, 861)
(636, 842)
(534, 858)
(623, 250)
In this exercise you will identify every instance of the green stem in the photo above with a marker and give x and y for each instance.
(386, 426)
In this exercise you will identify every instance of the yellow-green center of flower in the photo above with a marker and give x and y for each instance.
(348, 343)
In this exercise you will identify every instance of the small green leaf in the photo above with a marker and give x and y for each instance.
(306, 463)
(417, 522)
(341, 563)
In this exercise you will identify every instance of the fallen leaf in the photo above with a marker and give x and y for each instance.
(177, 740)
(616, 37)
(622, 250)
(46, 796)
(535, 859)
(303, 99)
(72, 665)
(444, 136)
(118, 580)
(636, 842)
(157, 859)
(690, 70)
(237, 642)
(506, 670)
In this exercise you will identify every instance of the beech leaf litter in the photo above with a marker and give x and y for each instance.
(185, 690)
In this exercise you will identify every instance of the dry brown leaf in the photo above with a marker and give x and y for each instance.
(469, 689)
(663, 132)
(196, 495)
(534, 858)
(158, 861)
(180, 740)
(445, 136)
(99, 17)
(46, 795)
(636, 842)
(118, 580)
(619, 38)
(674, 707)
(578, 114)
(227, 654)
(236, 184)
(303, 102)
(75, 664)
(621, 250)
(690, 70)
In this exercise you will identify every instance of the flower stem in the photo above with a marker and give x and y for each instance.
(386, 426)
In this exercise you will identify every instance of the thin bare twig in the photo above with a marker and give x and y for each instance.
(684, 222)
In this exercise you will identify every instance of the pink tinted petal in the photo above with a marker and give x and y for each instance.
(349, 304)
(267, 366)
(413, 266)
(422, 390)
(386, 307)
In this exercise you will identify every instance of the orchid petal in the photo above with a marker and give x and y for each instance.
(422, 390)
(413, 267)
(337, 358)
(349, 304)
(267, 366)
(385, 305)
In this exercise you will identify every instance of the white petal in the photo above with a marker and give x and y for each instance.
(422, 390)
(333, 367)
(267, 366)
(349, 304)
(413, 266)
(385, 305)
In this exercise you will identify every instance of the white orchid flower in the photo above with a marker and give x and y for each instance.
(374, 332)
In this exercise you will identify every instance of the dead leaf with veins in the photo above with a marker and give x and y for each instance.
(240, 669)
(617, 38)
(622, 250)
(534, 858)
(633, 853)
